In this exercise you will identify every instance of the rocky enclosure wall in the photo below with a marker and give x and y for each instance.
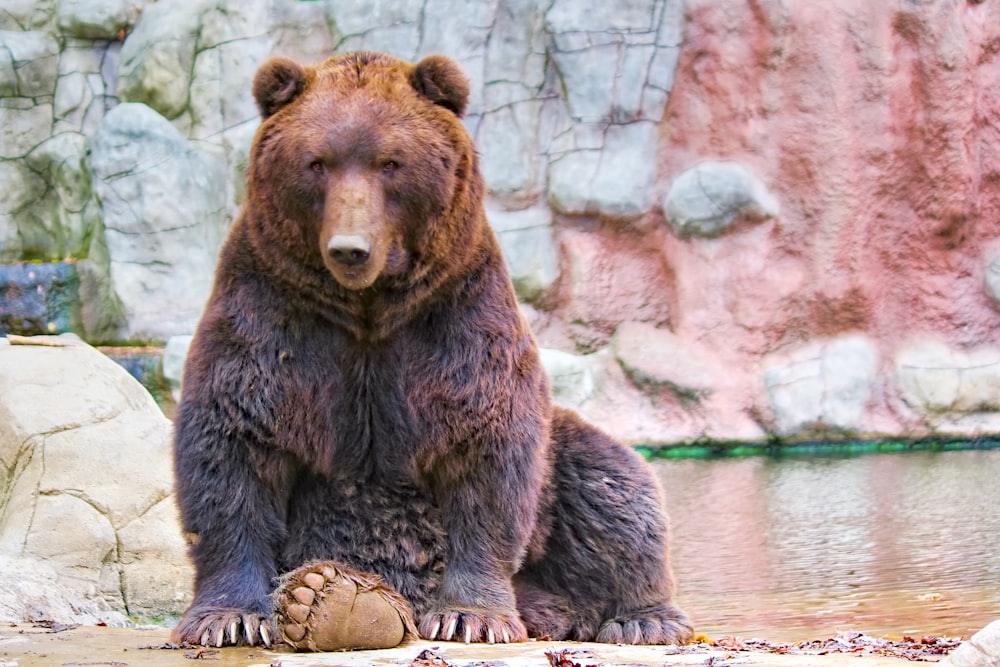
(726, 219)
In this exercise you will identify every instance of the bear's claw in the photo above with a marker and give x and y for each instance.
(327, 606)
(471, 625)
(664, 624)
(218, 627)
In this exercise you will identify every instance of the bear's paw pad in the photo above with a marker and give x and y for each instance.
(330, 607)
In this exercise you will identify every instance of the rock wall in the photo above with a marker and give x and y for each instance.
(726, 220)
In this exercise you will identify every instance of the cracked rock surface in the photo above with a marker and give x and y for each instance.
(88, 527)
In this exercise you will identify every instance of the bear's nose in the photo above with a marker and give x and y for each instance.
(349, 249)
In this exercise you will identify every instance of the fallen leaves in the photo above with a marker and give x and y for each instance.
(926, 648)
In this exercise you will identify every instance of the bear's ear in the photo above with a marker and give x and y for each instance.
(440, 80)
(278, 81)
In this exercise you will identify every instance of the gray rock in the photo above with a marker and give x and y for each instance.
(22, 187)
(27, 14)
(529, 248)
(66, 215)
(8, 75)
(97, 19)
(981, 650)
(606, 53)
(87, 485)
(707, 198)
(387, 26)
(165, 212)
(80, 97)
(157, 57)
(23, 127)
(35, 56)
(232, 40)
(822, 386)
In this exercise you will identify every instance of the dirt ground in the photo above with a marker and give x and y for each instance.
(26, 645)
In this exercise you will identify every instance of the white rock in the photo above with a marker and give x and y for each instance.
(823, 385)
(935, 378)
(981, 650)
(529, 248)
(88, 486)
(165, 213)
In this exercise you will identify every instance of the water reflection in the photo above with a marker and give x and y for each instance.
(888, 544)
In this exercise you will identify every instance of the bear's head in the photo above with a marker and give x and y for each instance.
(363, 165)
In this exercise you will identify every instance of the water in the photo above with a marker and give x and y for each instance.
(795, 549)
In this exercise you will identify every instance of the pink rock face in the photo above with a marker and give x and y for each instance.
(876, 126)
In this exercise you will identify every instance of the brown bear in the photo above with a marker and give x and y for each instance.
(362, 396)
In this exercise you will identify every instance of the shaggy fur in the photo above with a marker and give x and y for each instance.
(362, 388)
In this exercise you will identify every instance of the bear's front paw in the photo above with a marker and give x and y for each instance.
(474, 625)
(327, 606)
(662, 624)
(222, 626)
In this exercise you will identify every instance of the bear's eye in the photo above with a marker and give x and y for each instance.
(317, 167)
(389, 166)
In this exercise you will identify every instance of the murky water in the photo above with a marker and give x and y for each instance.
(798, 549)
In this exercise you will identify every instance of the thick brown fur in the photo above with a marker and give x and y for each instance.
(362, 389)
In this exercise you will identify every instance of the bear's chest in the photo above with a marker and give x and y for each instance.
(364, 410)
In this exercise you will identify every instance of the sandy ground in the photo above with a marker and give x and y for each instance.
(24, 645)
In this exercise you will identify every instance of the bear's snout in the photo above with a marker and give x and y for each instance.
(349, 250)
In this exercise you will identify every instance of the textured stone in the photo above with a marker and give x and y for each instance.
(980, 650)
(607, 282)
(157, 57)
(615, 181)
(526, 239)
(62, 220)
(22, 187)
(87, 483)
(165, 212)
(936, 378)
(232, 40)
(97, 19)
(707, 198)
(825, 385)
(35, 57)
(22, 129)
(27, 14)
(571, 377)
(655, 358)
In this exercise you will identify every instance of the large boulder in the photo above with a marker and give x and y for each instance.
(165, 213)
(88, 527)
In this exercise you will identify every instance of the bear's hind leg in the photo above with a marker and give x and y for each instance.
(328, 606)
(604, 564)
